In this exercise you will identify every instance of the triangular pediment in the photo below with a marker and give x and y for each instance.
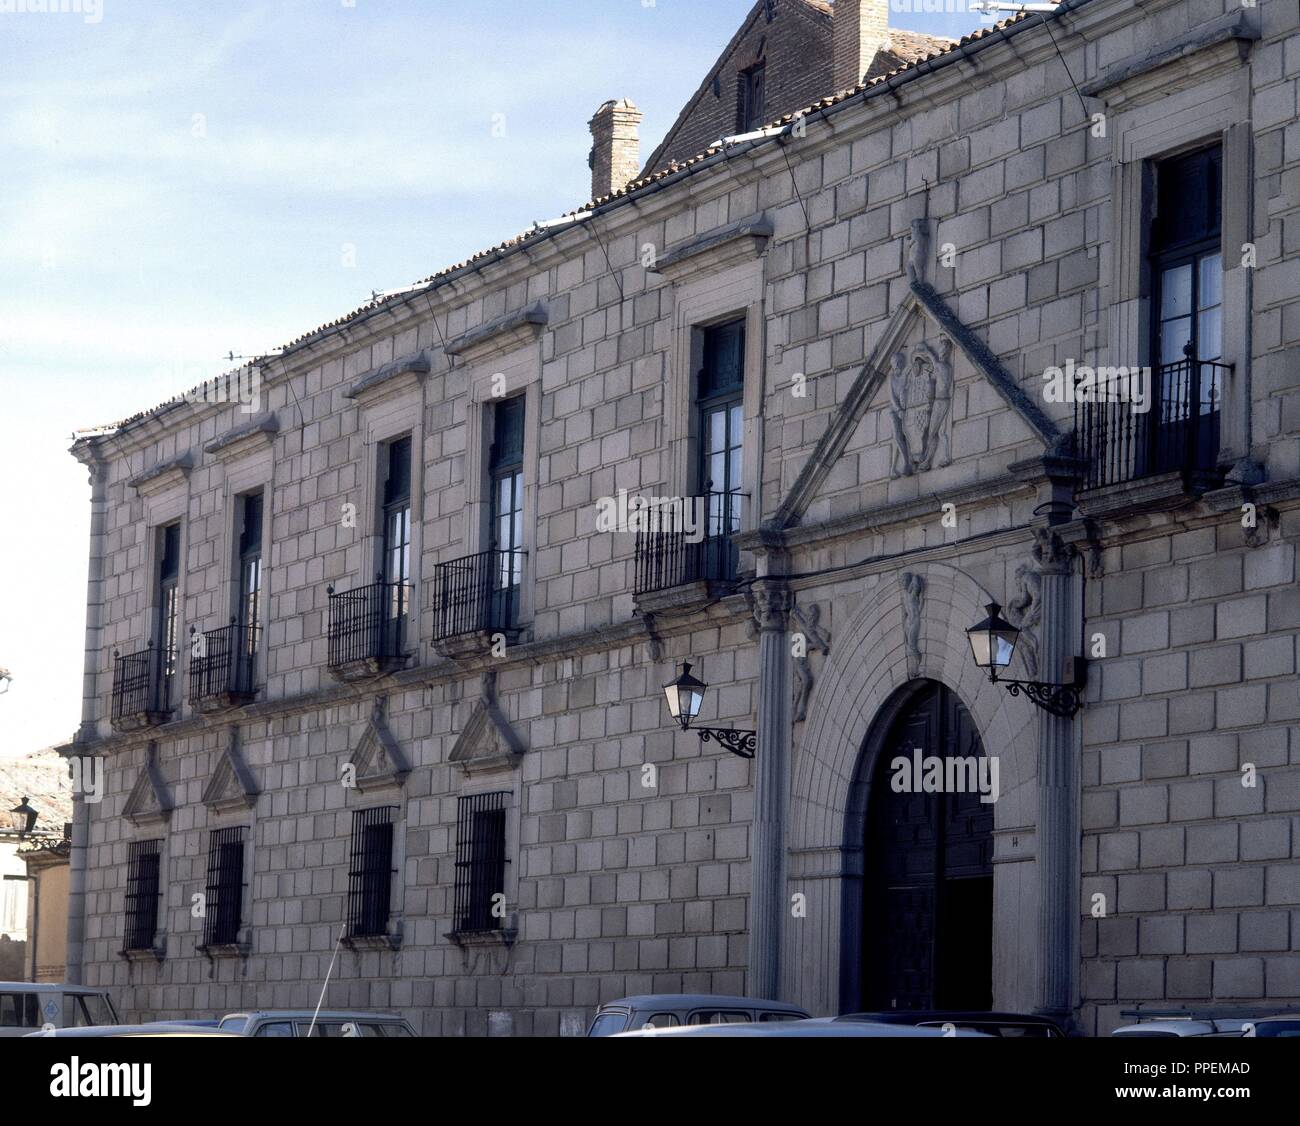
(150, 801)
(488, 742)
(378, 760)
(232, 785)
(923, 345)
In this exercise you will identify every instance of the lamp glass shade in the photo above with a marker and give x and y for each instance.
(23, 817)
(685, 695)
(993, 641)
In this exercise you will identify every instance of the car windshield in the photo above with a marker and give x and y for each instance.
(606, 1024)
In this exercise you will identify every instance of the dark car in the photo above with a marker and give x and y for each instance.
(1009, 1026)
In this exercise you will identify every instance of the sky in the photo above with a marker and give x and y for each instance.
(182, 181)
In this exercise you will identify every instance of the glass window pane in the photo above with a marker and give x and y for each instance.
(1209, 344)
(1174, 335)
(1211, 289)
(1176, 292)
(717, 430)
(717, 472)
(737, 425)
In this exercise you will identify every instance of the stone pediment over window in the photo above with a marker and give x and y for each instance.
(391, 378)
(232, 786)
(717, 249)
(150, 801)
(501, 335)
(162, 477)
(378, 761)
(245, 439)
(909, 369)
(488, 742)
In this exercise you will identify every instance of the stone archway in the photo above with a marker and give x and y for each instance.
(895, 638)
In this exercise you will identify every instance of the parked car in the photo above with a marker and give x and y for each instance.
(1173, 1026)
(1008, 1026)
(1285, 1024)
(307, 1022)
(27, 1007)
(672, 1010)
(818, 1026)
(157, 1028)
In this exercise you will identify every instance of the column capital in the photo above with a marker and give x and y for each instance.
(772, 604)
(1052, 555)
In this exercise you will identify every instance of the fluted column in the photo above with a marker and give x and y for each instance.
(771, 790)
(1058, 787)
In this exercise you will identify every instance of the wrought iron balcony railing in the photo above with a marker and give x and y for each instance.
(144, 685)
(1178, 432)
(688, 542)
(223, 664)
(479, 593)
(369, 625)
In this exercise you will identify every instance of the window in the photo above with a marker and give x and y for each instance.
(144, 866)
(506, 473)
(397, 534)
(370, 871)
(274, 1028)
(750, 115)
(1187, 306)
(19, 1010)
(721, 420)
(225, 887)
(249, 612)
(480, 860)
(169, 568)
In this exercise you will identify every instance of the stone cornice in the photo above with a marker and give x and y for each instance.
(245, 439)
(390, 378)
(716, 249)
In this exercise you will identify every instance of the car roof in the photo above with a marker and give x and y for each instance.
(47, 987)
(158, 1029)
(820, 1026)
(699, 1000)
(307, 1014)
(914, 1016)
(1167, 1027)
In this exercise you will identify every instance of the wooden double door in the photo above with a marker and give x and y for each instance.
(928, 876)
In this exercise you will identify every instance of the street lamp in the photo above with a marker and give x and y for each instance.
(993, 645)
(685, 695)
(24, 817)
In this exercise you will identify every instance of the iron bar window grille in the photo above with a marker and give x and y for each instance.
(143, 871)
(370, 871)
(478, 593)
(480, 860)
(225, 887)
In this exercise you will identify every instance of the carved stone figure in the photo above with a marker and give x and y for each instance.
(920, 393)
(1025, 611)
(913, 594)
(815, 641)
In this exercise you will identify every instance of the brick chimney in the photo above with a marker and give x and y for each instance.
(615, 148)
(860, 28)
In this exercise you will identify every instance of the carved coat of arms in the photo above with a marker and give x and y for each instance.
(920, 395)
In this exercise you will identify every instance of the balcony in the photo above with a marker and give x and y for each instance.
(476, 598)
(368, 629)
(144, 687)
(1135, 459)
(224, 675)
(687, 549)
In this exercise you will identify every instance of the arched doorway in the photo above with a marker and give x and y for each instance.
(927, 890)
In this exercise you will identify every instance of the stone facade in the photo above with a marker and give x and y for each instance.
(946, 236)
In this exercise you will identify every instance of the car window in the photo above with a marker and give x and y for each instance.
(395, 1030)
(1278, 1028)
(271, 1028)
(233, 1024)
(663, 1020)
(19, 1010)
(767, 1018)
(719, 1016)
(606, 1024)
(93, 1009)
(334, 1029)
(368, 1029)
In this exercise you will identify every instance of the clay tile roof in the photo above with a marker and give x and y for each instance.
(908, 44)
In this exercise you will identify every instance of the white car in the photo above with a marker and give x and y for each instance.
(27, 1007)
